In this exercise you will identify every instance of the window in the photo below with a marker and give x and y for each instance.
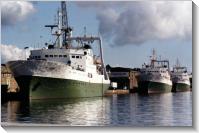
(90, 75)
(51, 55)
(80, 57)
(38, 56)
(65, 55)
(73, 56)
(60, 55)
(55, 55)
(77, 57)
(46, 55)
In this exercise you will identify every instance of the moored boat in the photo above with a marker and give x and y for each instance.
(180, 79)
(155, 77)
(67, 68)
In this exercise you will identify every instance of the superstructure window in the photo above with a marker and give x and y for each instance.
(55, 55)
(38, 56)
(65, 55)
(60, 55)
(77, 57)
(90, 75)
(46, 55)
(51, 55)
(73, 56)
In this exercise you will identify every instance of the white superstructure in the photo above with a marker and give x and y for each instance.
(157, 71)
(180, 75)
(75, 64)
(156, 74)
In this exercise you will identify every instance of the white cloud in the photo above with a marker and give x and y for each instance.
(15, 11)
(11, 52)
(139, 22)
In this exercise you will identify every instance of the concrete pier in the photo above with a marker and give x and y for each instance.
(9, 87)
(118, 91)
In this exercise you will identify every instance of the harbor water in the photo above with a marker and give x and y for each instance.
(169, 109)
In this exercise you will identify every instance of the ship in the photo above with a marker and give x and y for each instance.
(66, 68)
(155, 76)
(180, 78)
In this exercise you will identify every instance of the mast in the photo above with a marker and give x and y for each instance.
(64, 19)
(60, 41)
(67, 30)
(153, 58)
(64, 14)
(177, 63)
(63, 30)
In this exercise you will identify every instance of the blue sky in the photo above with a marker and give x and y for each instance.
(169, 40)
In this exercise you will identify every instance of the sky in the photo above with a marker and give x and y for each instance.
(130, 30)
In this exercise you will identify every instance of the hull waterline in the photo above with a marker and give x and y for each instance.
(147, 87)
(48, 88)
(180, 87)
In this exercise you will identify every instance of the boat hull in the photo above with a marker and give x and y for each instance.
(36, 87)
(147, 87)
(180, 87)
(39, 79)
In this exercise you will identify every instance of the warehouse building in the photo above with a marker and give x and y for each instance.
(126, 78)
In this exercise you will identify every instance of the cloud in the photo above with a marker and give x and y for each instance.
(15, 11)
(11, 52)
(139, 22)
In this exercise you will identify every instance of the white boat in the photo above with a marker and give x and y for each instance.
(180, 78)
(68, 68)
(155, 77)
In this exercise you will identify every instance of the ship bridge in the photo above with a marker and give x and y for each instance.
(77, 58)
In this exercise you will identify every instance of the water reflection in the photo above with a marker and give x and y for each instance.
(14, 111)
(171, 109)
(85, 111)
(154, 110)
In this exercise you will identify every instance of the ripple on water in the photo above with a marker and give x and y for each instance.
(171, 109)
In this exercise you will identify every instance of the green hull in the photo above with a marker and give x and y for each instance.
(46, 88)
(180, 87)
(146, 87)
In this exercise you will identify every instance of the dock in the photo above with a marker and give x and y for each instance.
(9, 86)
(119, 91)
